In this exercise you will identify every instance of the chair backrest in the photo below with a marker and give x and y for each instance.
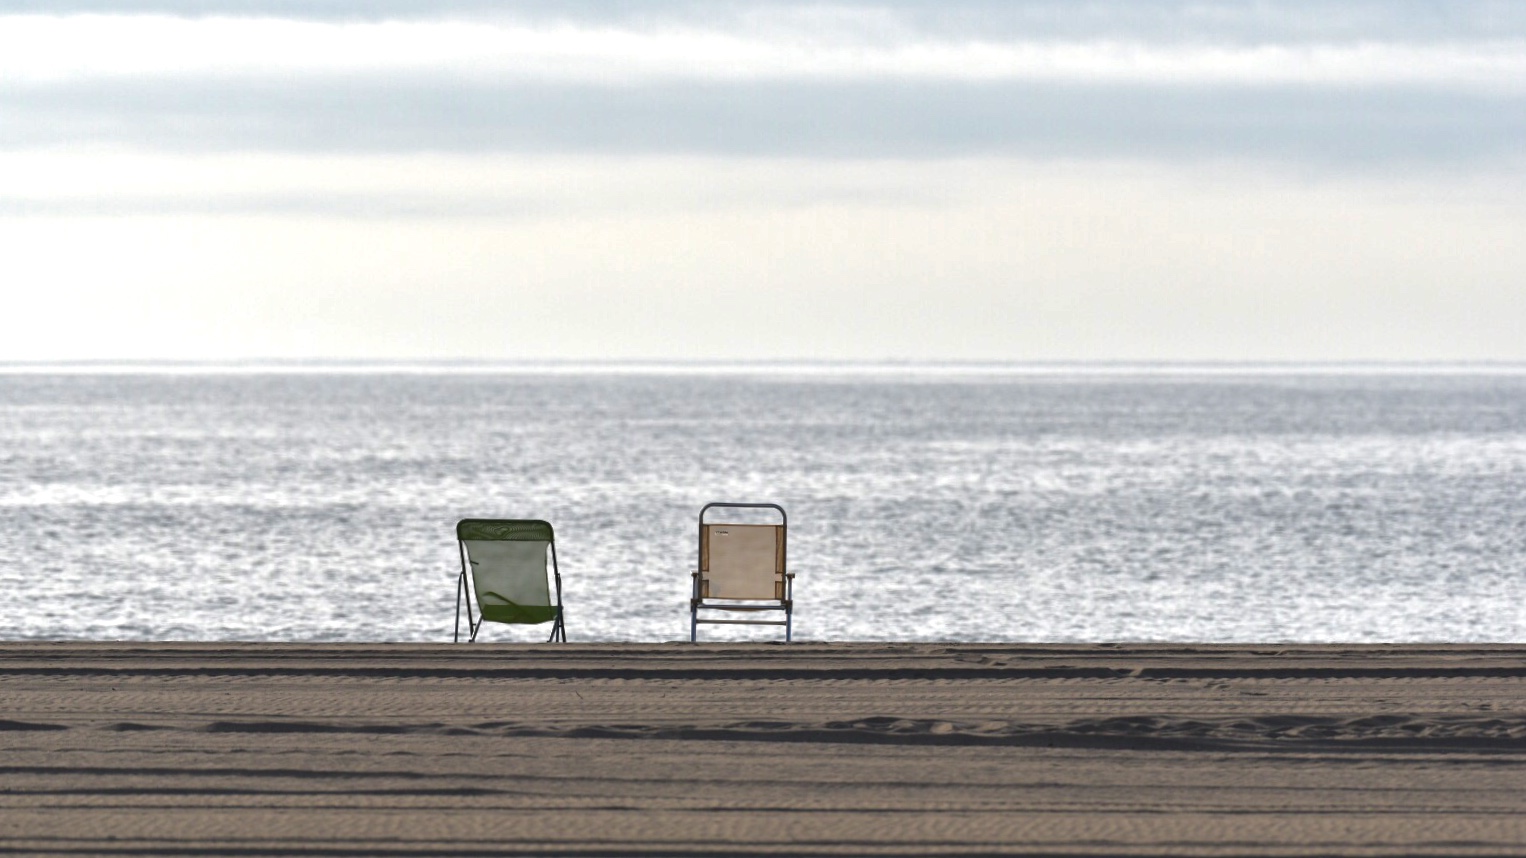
(741, 561)
(508, 565)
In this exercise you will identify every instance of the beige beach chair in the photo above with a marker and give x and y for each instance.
(742, 569)
(503, 569)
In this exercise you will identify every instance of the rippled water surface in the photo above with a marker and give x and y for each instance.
(924, 504)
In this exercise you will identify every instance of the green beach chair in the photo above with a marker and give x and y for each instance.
(503, 568)
(742, 568)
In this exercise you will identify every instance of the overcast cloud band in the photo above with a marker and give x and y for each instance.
(843, 120)
(1213, 21)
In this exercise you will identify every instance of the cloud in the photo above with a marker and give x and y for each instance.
(1328, 84)
(50, 48)
(1211, 21)
(838, 120)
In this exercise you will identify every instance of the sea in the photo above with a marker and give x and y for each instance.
(957, 502)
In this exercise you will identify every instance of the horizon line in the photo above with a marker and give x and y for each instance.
(723, 366)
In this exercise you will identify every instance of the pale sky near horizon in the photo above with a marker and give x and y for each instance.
(878, 179)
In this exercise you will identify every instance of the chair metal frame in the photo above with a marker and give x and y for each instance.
(469, 588)
(697, 602)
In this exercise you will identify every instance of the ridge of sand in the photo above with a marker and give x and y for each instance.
(810, 749)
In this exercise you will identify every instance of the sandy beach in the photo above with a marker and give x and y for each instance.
(811, 749)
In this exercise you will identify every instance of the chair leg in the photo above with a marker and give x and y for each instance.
(693, 624)
(789, 618)
(456, 636)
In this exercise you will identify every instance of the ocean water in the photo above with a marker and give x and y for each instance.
(925, 503)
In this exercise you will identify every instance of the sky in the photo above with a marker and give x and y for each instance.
(975, 180)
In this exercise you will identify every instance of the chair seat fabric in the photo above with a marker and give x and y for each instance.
(510, 579)
(520, 614)
(742, 562)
